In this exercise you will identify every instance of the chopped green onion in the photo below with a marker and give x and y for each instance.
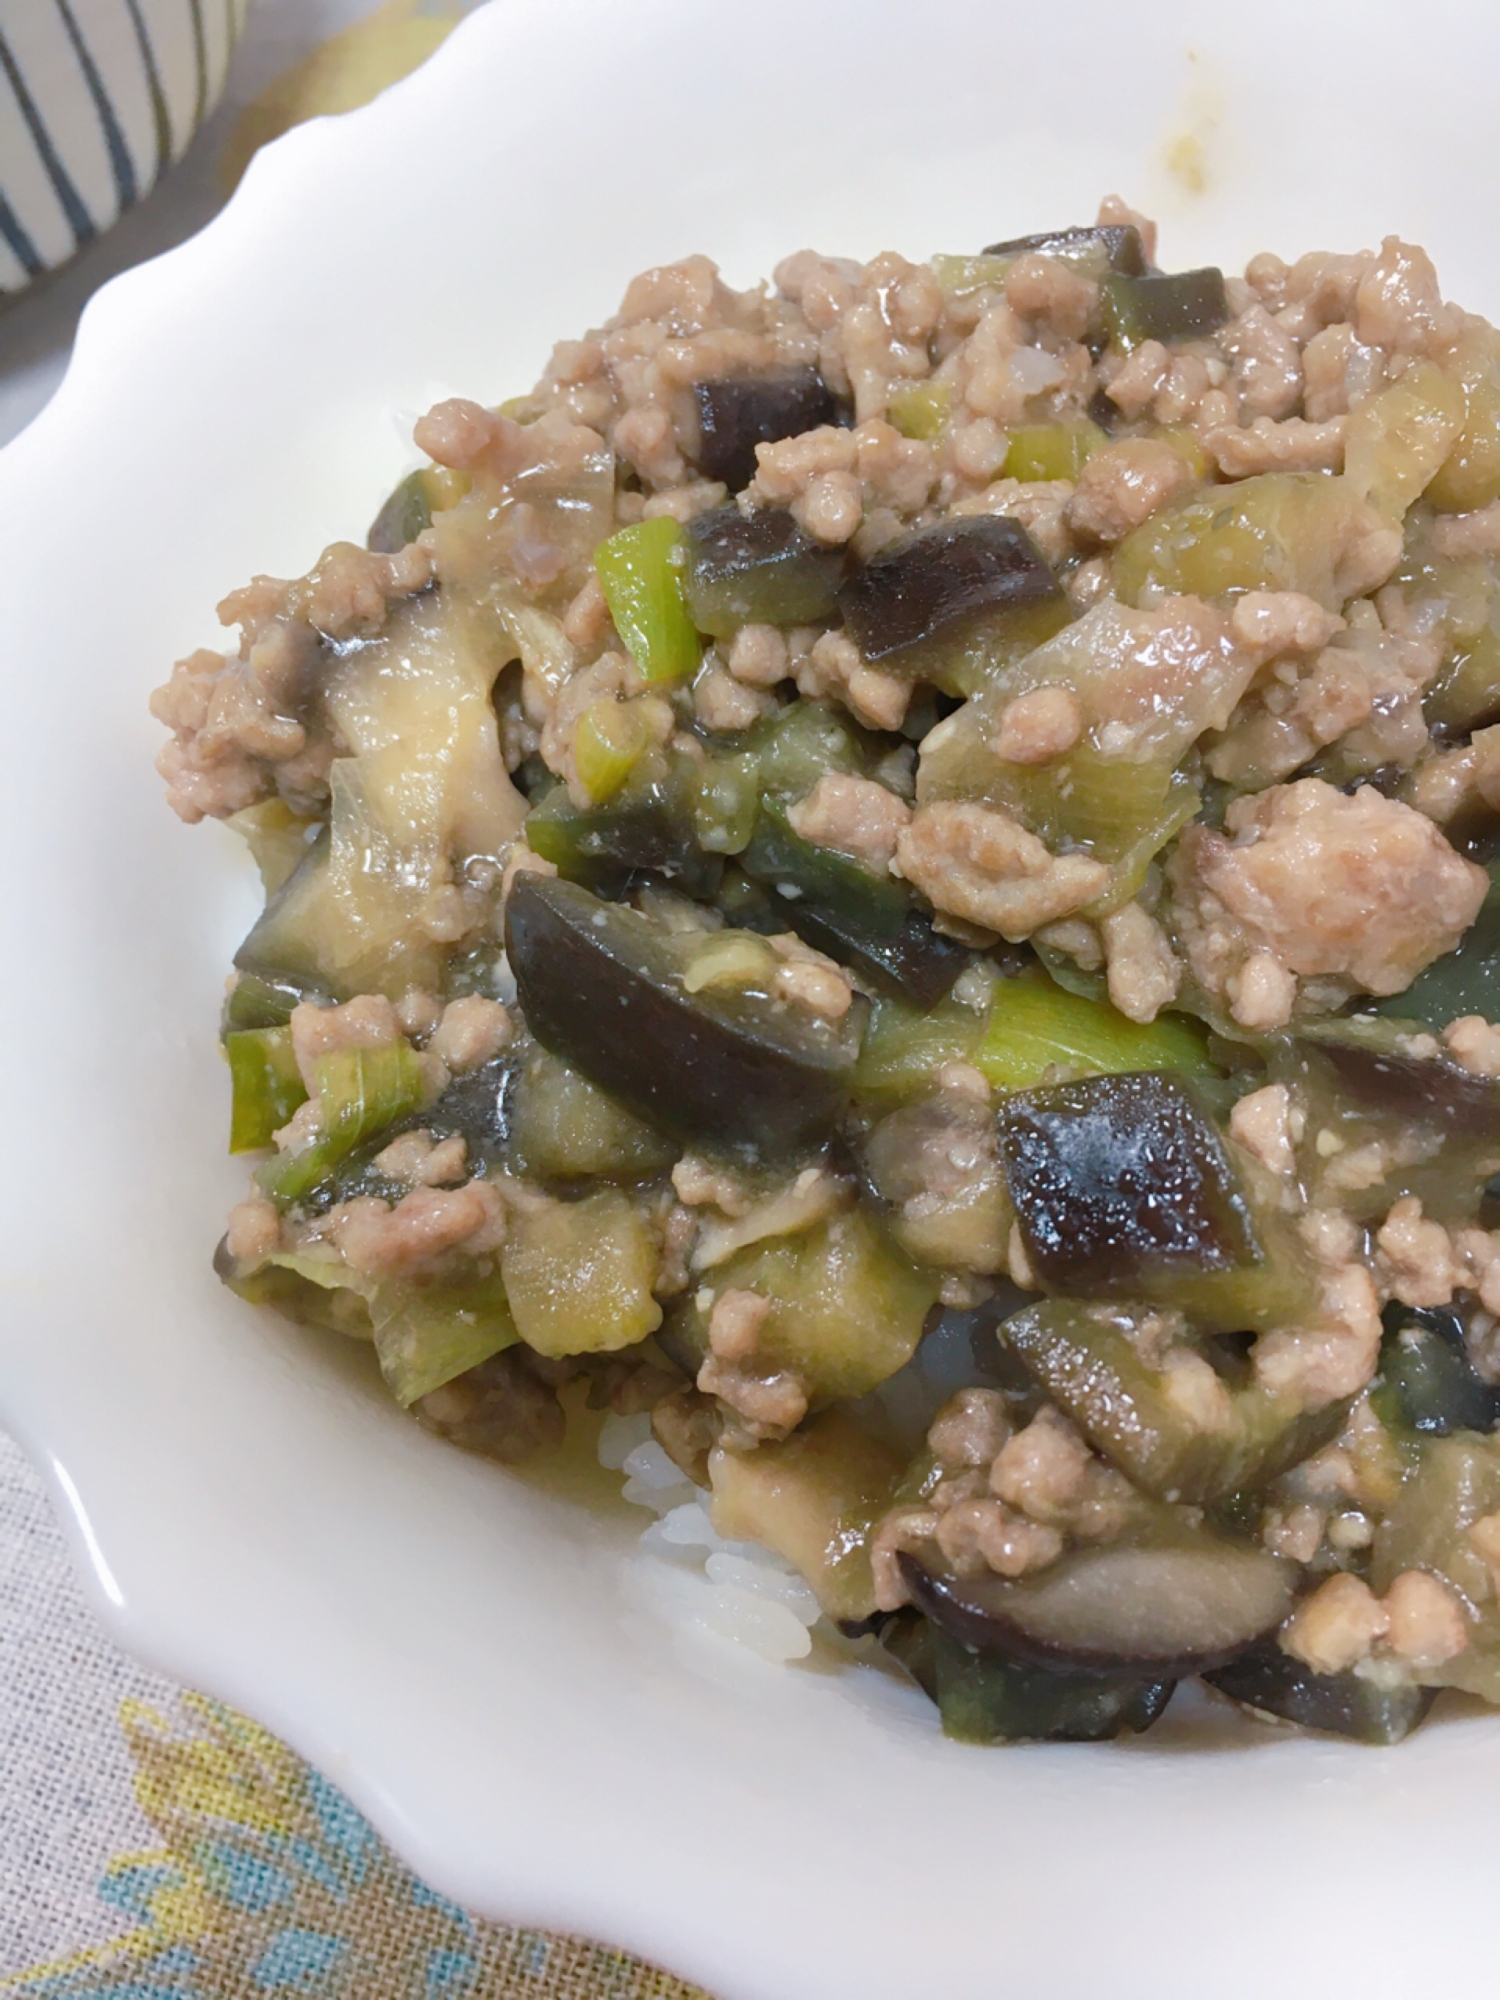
(920, 410)
(266, 1083)
(640, 569)
(1051, 451)
(425, 1335)
(360, 1093)
(607, 745)
(1035, 1030)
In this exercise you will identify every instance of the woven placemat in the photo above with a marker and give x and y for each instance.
(156, 1846)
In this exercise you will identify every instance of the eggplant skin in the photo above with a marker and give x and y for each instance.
(940, 578)
(738, 412)
(1271, 1681)
(986, 1698)
(595, 990)
(1120, 1179)
(1240, 1593)
(1119, 243)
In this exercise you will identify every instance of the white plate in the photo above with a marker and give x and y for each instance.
(468, 1654)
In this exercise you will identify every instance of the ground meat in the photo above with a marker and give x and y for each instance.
(500, 1409)
(1267, 364)
(416, 1161)
(1042, 1471)
(1335, 1354)
(1121, 484)
(984, 1534)
(380, 1241)
(834, 670)
(721, 701)
(1416, 1257)
(1398, 304)
(473, 1031)
(809, 979)
(735, 1323)
(1038, 726)
(1265, 1123)
(1144, 973)
(1475, 1043)
(1358, 888)
(767, 1406)
(904, 1531)
(1424, 1620)
(1293, 446)
(254, 1230)
(854, 815)
(1296, 1533)
(367, 1022)
(1456, 536)
(759, 656)
(1268, 624)
(981, 865)
(1337, 1626)
(970, 1428)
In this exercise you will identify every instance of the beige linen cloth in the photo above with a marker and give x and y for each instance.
(154, 1845)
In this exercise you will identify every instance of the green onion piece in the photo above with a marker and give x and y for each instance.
(904, 1047)
(961, 277)
(1035, 1028)
(1051, 451)
(360, 1093)
(640, 569)
(607, 745)
(425, 1335)
(266, 1083)
(921, 410)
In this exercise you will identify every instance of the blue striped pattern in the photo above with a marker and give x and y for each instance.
(97, 99)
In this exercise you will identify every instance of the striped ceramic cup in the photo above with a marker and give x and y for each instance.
(97, 99)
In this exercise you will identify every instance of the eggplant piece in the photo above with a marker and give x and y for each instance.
(1124, 1609)
(1087, 1360)
(738, 412)
(756, 569)
(1435, 1123)
(1116, 246)
(1118, 1180)
(266, 1000)
(609, 849)
(604, 988)
(404, 516)
(935, 583)
(1345, 1704)
(1427, 1385)
(986, 1698)
(1164, 306)
(838, 906)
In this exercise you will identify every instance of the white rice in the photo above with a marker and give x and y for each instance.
(734, 1590)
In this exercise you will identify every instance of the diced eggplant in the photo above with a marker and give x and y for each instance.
(1346, 1704)
(564, 1128)
(1427, 1383)
(1434, 1525)
(1182, 1607)
(1164, 306)
(475, 1108)
(603, 987)
(1119, 1181)
(1431, 1127)
(1116, 246)
(1201, 1449)
(280, 950)
(738, 412)
(936, 583)
(840, 907)
(645, 831)
(986, 1698)
(757, 569)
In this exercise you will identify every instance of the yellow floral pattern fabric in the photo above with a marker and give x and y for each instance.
(268, 1882)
